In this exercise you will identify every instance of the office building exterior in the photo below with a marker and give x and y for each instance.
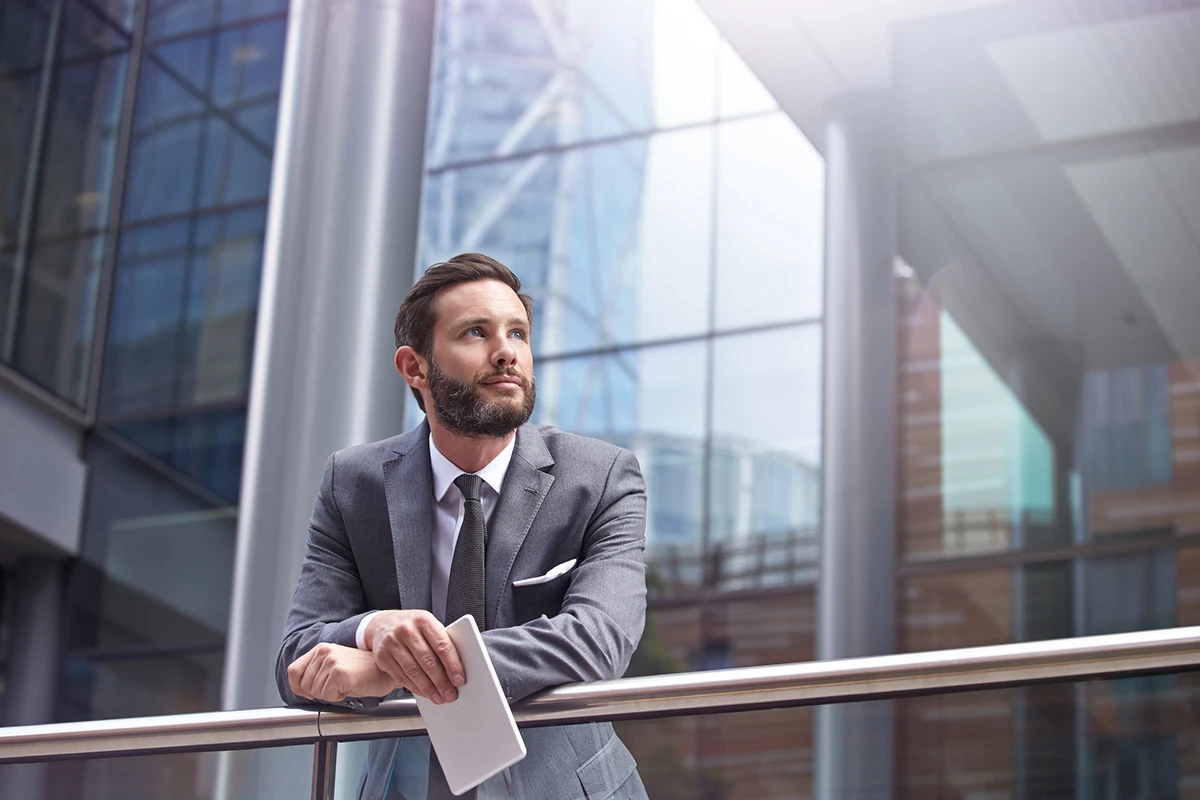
(894, 303)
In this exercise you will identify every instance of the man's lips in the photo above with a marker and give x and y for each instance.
(506, 381)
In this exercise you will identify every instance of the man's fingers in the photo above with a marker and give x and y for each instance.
(296, 671)
(412, 675)
(328, 685)
(431, 664)
(444, 650)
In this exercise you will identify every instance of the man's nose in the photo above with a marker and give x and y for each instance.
(505, 354)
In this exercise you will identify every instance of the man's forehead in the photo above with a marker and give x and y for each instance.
(481, 300)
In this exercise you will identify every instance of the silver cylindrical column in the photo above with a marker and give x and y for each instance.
(857, 594)
(37, 597)
(339, 256)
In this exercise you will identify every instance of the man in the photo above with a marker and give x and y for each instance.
(412, 532)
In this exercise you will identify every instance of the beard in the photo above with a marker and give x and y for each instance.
(462, 410)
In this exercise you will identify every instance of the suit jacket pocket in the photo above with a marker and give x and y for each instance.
(603, 773)
(531, 602)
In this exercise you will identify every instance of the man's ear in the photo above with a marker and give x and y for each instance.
(412, 367)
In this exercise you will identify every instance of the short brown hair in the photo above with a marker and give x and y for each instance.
(416, 318)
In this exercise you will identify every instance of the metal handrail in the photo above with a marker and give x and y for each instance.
(717, 691)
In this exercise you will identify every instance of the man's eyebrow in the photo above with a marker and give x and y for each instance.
(513, 322)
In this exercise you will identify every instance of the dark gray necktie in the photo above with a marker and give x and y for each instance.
(464, 594)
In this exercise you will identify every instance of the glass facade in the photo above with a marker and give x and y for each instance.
(134, 167)
(1048, 481)
(668, 218)
(644, 186)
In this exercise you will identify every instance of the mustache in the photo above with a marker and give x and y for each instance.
(508, 372)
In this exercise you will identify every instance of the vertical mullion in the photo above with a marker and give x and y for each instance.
(115, 209)
(33, 170)
(706, 465)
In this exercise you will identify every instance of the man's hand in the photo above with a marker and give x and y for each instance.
(330, 673)
(413, 649)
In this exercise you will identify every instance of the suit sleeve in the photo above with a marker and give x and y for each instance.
(594, 635)
(329, 601)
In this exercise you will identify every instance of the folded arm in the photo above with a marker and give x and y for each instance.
(600, 623)
(326, 608)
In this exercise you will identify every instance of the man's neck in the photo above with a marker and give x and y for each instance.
(470, 454)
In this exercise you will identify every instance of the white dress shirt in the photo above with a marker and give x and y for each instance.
(449, 509)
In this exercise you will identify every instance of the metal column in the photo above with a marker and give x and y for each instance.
(857, 595)
(339, 256)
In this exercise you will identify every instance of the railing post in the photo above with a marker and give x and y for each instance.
(324, 769)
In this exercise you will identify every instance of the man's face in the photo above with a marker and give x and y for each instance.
(481, 368)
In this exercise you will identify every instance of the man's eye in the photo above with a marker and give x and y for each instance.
(475, 332)
(519, 334)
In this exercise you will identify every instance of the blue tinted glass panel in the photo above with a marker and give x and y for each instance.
(517, 77)
(258, 119)
(76, 179)
(248, 65)
(184, 307)
(87, 33)
(612, 242)
(23, 29)
(162, 171)
(221, 308)
(173, 17)
(57, 316)
(173, 82)
(18, 104)
(234, 169)
(650, 400)
(234, 10)
(147, 307)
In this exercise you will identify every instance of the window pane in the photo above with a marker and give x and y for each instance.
(77, 174)
(157, 567)
(248, 64)
(147, 308)
(23, 29)
(57, 317)
(509, 77)
(183, 314)
(187, 153)
(235, 10)
(87, 34)
(182, 776)
(18, 104)
(234, 169)
(963, 609)
(612, 242)
(6, 285)
(759, 754)
(172, 17)
(770, 223)
(767, 394)
(1130, 738)
(765, 457)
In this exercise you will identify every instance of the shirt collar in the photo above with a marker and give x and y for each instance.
(444, 470)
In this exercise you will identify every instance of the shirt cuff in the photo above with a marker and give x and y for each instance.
(361, 633)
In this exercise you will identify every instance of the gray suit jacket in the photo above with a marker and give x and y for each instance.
(564, 497)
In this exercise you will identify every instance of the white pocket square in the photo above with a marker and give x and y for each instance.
(561, 569)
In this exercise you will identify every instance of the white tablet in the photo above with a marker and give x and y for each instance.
(475, 737)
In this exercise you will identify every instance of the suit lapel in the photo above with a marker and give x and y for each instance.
(525, 489)
(408, 481)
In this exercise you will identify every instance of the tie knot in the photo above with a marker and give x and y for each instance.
(468, 485)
